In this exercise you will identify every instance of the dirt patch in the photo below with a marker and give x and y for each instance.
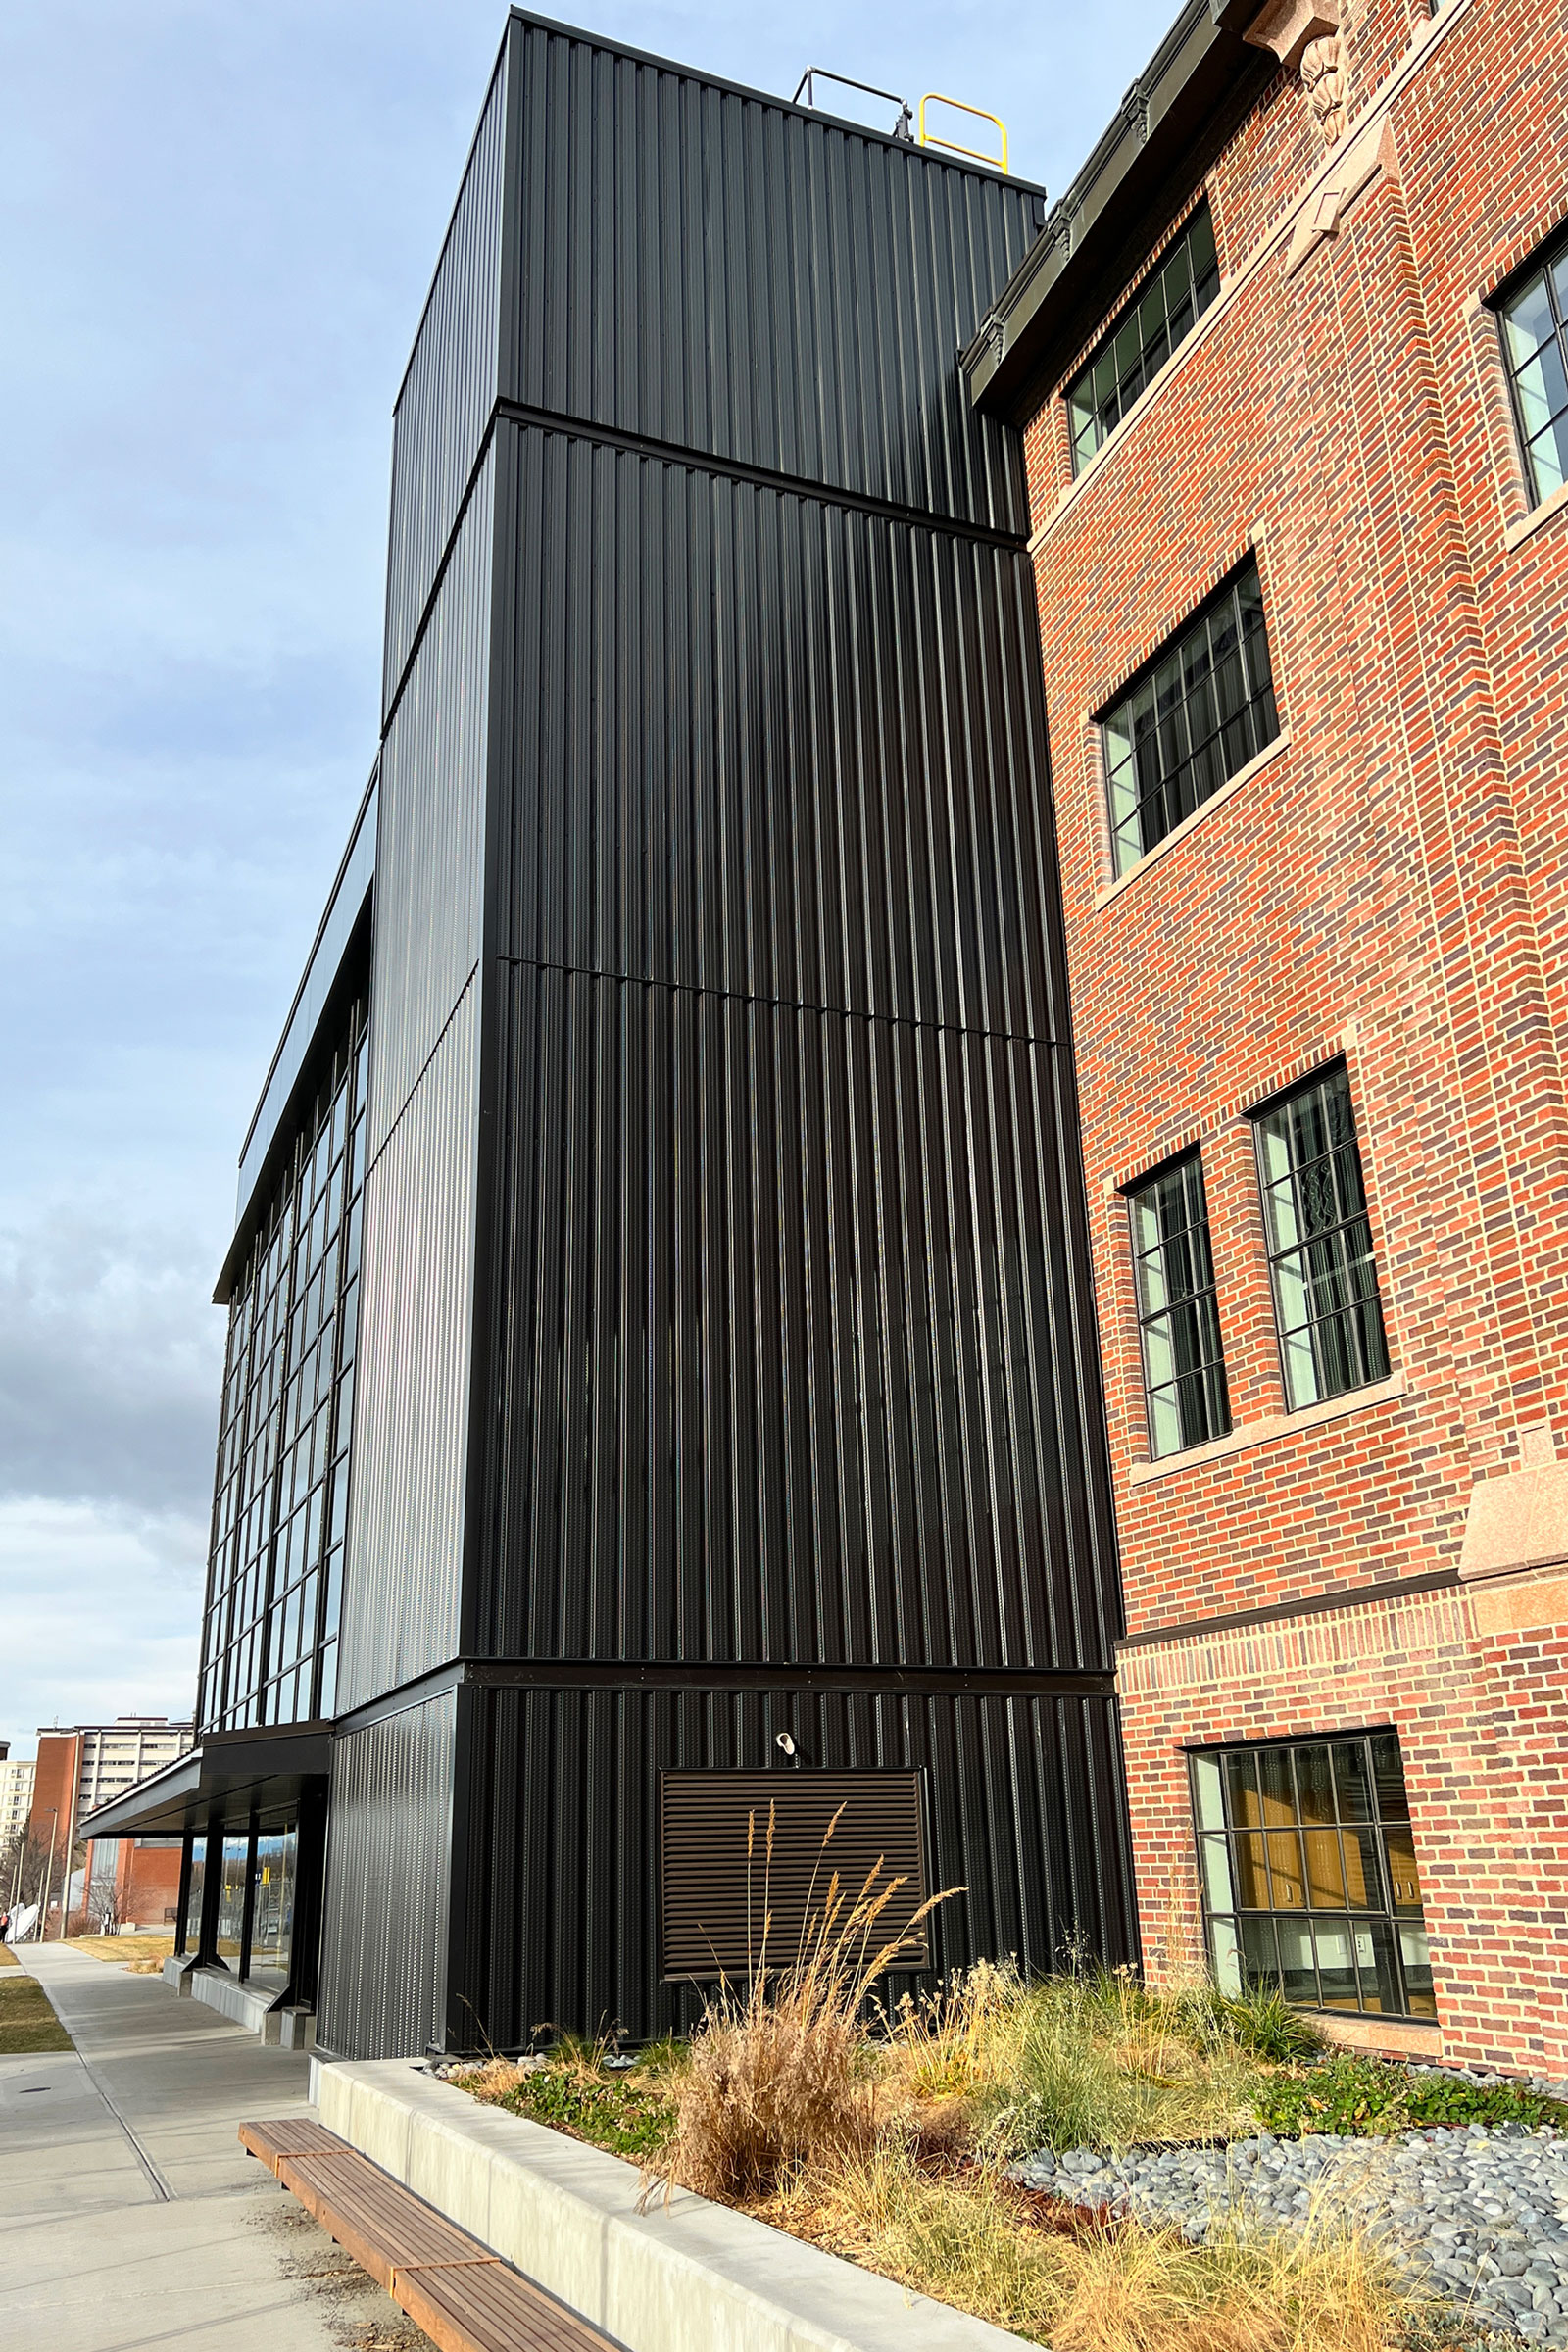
(360, 2314)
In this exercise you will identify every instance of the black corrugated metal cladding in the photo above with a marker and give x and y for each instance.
(782, 1353)
(789, 1368)
(562, 1915)
(384, 1937)
(728, 274)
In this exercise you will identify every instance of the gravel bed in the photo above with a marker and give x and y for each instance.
(1479, 2213)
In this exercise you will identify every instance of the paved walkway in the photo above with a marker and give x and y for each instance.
(130, 2214)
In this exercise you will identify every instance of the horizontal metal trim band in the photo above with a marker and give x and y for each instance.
(1349, 1596)
(616, 1674)
(678, 452)
(759, 477)
(737, 996)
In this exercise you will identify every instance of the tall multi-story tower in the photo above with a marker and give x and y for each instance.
(661, 1380)
(16, 1798)
(78, 1771)
(1292, 363)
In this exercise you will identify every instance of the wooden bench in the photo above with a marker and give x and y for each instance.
(465, 2297)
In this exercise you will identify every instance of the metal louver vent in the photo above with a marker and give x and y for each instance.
(713, 1902)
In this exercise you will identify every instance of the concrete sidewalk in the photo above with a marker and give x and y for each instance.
(130, 2214)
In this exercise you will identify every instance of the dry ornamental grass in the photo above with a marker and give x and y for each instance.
(885, 2139)
(1112, 2287)
(783, 2073)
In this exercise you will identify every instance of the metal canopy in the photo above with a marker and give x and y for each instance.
(234, 1774)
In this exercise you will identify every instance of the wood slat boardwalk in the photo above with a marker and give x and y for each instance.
(464, 2296)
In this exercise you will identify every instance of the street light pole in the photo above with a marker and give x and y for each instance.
(71, 1839)
(48, 1874)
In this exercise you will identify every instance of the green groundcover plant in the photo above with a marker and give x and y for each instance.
(1353, 2095)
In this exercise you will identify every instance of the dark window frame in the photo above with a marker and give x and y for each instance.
(270, 1636)
(1397, 1959)
(1153, 784)
(1547, 267)
(1207, 1370)
(1126, 383)
(1324, 1251)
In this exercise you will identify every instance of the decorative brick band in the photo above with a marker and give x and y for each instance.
(1419, 1624)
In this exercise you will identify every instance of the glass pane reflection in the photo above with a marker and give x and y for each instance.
(1308, 1868)
(231, 1899)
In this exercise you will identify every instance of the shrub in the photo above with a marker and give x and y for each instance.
(629, 2114)
(618, 2114)
(783, 2071)
(1349, 2095)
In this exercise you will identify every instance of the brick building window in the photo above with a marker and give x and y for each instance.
(1191, 719)
(1162, 315)
(1309, 1871)
(1178, 1320)
(1535, 340)
(1325, 1277)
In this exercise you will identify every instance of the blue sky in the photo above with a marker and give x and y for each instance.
(219, 227)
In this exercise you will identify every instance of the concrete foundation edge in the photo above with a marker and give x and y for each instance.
(682, 2274)
(258, 2012)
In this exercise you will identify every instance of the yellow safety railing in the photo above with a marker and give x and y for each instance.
(929, 139)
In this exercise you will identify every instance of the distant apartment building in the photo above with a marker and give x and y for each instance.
(1291, 365)
(87, 1766)
(15, 1797)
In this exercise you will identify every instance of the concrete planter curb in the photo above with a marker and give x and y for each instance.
(683, 2275)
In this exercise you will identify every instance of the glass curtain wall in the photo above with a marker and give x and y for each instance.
(274, 1583)
(232, 1901)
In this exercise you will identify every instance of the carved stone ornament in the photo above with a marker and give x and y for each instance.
(1287, 26)
(1370, 154)
(1326, 83)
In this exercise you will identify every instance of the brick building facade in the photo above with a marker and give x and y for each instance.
(76, 1771)
(1340, 1458)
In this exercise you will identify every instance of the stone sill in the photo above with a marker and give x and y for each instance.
(1518, 532)
(1193, 819)
(1406, 2037)
(681, 2275)
(1265, 1433)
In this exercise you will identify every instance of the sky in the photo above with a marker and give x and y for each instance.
(219, 224)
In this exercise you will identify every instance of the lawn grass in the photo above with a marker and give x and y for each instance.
(27, 2024)
(123, 1947)
(8, 1958)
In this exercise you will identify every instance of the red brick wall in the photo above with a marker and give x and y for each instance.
(1389, 885)
(53, 1815)
(1483, 1724)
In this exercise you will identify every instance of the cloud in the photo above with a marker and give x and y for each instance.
(109, 1360)
(101, 1614)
